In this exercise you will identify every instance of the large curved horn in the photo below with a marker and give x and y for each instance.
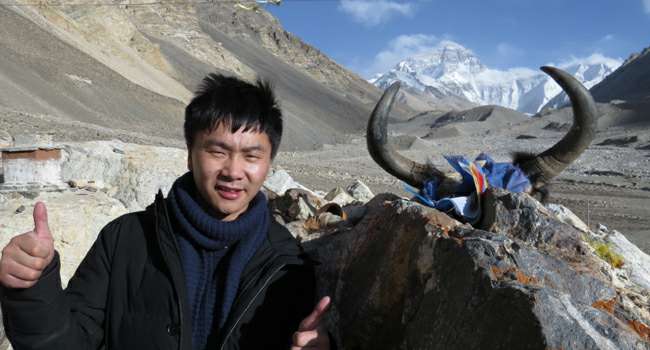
(548, 164)
(413, 173)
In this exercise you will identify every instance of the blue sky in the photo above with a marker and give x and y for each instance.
(369, 36)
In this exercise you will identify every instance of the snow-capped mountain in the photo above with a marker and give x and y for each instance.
(589, 71)
(453, 70)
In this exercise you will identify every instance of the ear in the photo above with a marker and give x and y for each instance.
(189, 160)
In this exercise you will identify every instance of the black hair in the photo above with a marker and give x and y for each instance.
(235, 103)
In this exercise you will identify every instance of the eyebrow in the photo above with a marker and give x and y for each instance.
(210, 143)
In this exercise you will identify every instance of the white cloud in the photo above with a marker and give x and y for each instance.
(609, 37)
(374, 12)
(593, 59)
(509, 51)
(646, 6)
(399, 48)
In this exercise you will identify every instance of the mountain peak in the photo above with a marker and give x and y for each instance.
(447, 57)
(450, 69)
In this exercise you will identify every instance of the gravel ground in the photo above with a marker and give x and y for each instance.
(608, 185)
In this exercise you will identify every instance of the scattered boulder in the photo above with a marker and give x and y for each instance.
(557, 126)
(340, 197)
(410, 277)
(565, 215)
(604, 173)
(295, 204)
(622, 141)
(359, 191)
(279, 181)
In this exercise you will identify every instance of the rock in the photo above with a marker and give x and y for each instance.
(410, 277)
(279, 181)
(6, 140)
(295, 204)
(75, 219)
(322, 221)
(619, 141)
(557, 126)
(133, 175)
(520, 216)
(300, 210)
(565, 215)
(637, 263)
(339, 196)
(359, 191)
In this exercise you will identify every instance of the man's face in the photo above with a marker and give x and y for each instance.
(229, 168)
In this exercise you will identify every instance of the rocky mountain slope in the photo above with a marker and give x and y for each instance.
(631, 82)
(451, 70)
(132, 68)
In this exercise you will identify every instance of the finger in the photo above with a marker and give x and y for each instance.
(41, 226)
(306, 338)
(22, 258)
(21, 272)
(32, 246)
(311, 321)
(10, 281)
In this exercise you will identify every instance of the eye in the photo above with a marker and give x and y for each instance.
(217, 152)
(252, 157)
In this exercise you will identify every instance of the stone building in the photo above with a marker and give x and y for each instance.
(33, 163)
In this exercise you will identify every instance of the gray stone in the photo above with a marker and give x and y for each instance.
(300, 210)
(409, 277)
(637, 263)
(359, 191)
(6, 140)
(133, 175)
(279, 181)
(565, 215)
(339, 196)
(295, 203)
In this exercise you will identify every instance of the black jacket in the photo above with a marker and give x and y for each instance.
(129, 293)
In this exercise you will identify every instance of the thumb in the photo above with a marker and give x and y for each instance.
(41, 227)
(311, 322)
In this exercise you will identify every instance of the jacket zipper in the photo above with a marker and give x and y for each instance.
(259, 291)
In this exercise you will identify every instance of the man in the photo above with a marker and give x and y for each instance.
(204, 268)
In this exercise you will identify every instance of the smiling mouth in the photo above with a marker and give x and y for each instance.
(229, 192)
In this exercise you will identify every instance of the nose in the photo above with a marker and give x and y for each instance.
(233, 169)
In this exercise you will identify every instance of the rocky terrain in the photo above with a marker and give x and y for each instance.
(538, 265)
(122, 73)
(132, 68)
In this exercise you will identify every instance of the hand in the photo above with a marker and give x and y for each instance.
(26, 256)
(311, 334)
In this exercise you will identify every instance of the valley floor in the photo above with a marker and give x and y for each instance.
(618, 201)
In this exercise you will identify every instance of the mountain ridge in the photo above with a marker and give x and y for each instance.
(159, 53)
(450, 69)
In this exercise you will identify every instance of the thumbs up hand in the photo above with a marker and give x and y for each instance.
(311, 334)
(27, 255)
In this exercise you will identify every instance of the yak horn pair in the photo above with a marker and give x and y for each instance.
(540, 169)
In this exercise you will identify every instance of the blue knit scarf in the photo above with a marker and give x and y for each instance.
(213, 254)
